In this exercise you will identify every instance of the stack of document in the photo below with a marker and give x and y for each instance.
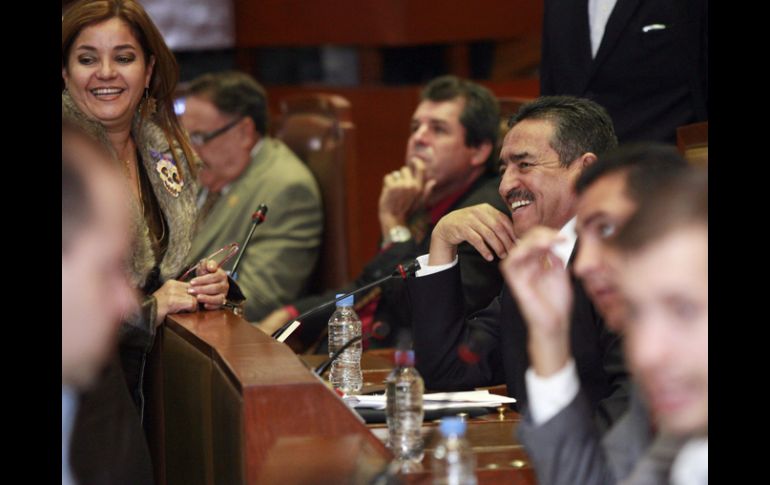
(438, 400)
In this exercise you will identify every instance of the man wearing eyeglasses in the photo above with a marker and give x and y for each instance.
(227, 118)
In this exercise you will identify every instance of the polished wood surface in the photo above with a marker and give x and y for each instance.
(264, 390)
(239, 407)
(262, 23)
(693, 143)
(500, 458)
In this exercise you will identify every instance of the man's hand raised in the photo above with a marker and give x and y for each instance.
(484, 227)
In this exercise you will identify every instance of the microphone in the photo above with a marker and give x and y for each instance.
(257, 218)
(401, 271)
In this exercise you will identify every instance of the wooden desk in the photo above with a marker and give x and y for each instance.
(227, 393)
(500, 458)
(232, 406)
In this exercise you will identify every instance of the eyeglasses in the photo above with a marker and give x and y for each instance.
(199, 139)
(221, 256)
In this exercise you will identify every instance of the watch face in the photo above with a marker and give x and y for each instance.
(399, 234)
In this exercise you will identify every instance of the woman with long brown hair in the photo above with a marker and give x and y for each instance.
(119, 78)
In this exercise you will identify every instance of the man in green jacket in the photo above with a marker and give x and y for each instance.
(226, 116)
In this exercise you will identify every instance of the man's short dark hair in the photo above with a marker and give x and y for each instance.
(580, 125)
(481, 114)
(679, 203)
(233, 93)
(647, 165)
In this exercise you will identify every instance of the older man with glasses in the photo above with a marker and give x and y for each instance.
(227, 118)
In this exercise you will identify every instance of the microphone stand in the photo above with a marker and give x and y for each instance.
(256, 219)
(400, 272)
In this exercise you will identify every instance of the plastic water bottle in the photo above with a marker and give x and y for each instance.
(404, 388)
(344, 324)
(453, 459)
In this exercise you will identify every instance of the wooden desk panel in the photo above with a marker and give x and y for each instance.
(230, 392)
(236, 402)
(500, 458)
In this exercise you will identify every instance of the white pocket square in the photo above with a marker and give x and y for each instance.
(651, 27)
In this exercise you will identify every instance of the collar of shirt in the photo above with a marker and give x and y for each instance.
(599, 12)
(255, 149)
(440, 208)
(691, 465)
(564, 249)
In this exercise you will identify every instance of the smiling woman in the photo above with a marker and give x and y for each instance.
(119, 78)
(107, 73)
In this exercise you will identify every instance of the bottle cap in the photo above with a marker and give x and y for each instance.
(452, 425)
(346, 302)
(404, 358)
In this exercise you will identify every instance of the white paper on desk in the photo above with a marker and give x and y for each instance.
(438, 400)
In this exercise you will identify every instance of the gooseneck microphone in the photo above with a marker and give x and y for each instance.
(257, 218)
(401, 271)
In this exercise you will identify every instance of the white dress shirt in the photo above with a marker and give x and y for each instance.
(691, 466)
(598, 14)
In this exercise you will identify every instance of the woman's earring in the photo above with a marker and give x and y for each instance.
(149, 103)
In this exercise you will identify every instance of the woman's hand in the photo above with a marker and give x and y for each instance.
(173, 297)
(210, 286)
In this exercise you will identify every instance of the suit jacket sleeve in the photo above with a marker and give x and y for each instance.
(567, 449)
(615, 404)
(283, 251)
(442, 333)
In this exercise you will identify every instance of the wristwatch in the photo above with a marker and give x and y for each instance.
(397, 234)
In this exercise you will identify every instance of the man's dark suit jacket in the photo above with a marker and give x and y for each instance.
(649, 82)
(489, 348)
(481, 279)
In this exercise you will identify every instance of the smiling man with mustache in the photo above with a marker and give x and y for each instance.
(550, 142)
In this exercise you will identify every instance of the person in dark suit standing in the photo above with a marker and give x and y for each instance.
(551, 141)
(644, 61)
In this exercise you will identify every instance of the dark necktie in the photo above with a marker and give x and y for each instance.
(208, 204)
(654, 466)
(419, 224)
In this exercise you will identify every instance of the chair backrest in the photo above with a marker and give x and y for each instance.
(693, 143)
(319, 129)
